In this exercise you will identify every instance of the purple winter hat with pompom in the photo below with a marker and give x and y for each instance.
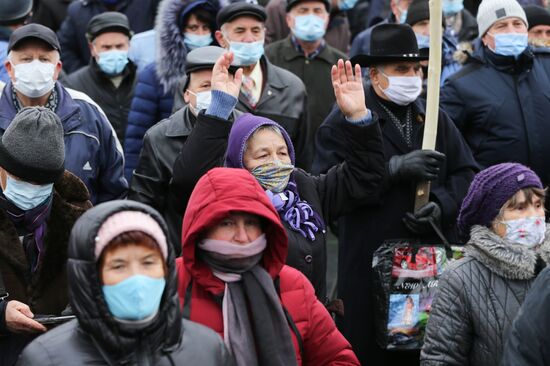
(490, 190)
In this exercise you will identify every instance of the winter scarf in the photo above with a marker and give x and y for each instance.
(30, 224)
(299, 215)
(506, 259)
(255, 327)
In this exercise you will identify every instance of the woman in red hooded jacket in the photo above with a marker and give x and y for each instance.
(233, 278)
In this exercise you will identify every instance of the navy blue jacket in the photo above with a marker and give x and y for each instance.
(149, 106)
(74, 46)
(502, 108)
(92, 151)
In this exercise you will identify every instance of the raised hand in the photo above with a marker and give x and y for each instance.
(222, 80)
(348, 89)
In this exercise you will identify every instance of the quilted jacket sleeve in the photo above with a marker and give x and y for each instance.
(448, 333)
(323, 342)
(148, 107)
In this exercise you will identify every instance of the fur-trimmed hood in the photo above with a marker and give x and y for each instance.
(506, 259)
(171, 51)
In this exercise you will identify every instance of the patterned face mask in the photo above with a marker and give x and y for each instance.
(528, 231)
(273, 176)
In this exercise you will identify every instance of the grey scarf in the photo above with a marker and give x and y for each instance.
(255, 327)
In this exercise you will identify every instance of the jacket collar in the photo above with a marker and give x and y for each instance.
(181, 123)
(290, 52)
(272, 80)
(508, 260)
(66, 108)
(129, 71)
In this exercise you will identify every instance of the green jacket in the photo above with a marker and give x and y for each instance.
(314, 73)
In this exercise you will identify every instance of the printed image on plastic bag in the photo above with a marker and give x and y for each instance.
(407, 263)
(403, 320)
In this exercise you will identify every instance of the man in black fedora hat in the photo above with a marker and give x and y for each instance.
(392, 95)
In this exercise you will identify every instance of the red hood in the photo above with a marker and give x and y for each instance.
(217, 193)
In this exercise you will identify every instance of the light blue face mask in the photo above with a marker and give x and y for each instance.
(510, 44)
(135, 298)
(247, 53)
(309, 28)
(422, 40)
(403, 16)
(25, 195)
(452, 7)
(347, 4)
(193, 41)
(113, 62)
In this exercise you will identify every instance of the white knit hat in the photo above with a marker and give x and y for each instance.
(490, 11)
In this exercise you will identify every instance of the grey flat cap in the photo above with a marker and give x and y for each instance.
(32, 147)
(205, 58)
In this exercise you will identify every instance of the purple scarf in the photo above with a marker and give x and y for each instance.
(31, 225)
(297, 213)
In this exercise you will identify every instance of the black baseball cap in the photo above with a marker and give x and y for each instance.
(232, 11)
(110, 21)
(37, 31)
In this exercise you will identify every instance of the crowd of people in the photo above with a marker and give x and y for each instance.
(172, 171)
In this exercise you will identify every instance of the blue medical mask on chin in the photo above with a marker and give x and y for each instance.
(403, 16)
(247, 53)
(193, 41)
(25, 195)
(113, 62)
(422, 40)
(527, 231)
(202, 101)
(308, 28)
(510, 44)
(136, 298)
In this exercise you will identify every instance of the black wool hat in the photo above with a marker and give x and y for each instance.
(536, 15)
(418, 11)
(235, 10)
(110, 21)
(291, 3)
(391, 43)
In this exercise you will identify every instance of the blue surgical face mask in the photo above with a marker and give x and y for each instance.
(452, 7)
(527, 231)
(247, 53)
(510, 44)
(347, 4)
(113, 62)
(403, 16)
(135, 298)
(309, 28)
(25, 195)
(203, 100)
(423, 41)
(193, 41)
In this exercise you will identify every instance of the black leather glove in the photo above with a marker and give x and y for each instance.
(419, 222)
(418, 165)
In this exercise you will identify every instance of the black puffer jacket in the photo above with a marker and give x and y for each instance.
(478, 299)
(97, 338)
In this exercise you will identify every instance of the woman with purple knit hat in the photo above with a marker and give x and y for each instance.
(305, 203)
(480, 295)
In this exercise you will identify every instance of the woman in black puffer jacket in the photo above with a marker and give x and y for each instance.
(123, 289)
(480, 295)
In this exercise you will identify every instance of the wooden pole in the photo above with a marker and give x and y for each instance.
(432, 103)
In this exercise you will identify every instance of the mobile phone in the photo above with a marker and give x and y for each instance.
(52, 319)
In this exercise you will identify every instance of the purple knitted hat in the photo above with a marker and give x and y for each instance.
(490, 190)
(241, 131)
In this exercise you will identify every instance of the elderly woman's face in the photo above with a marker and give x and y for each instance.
(521, 210)
(129, 260)
(265, 146)
(237, 228)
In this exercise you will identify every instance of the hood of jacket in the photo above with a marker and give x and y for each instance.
(88, 302)
(241, 131)
(506, 259)
(218, 193)
(171, 51)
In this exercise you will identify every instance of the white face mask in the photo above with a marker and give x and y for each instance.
(202, 101)
(34, 79)
(528, 231)
(402, 90)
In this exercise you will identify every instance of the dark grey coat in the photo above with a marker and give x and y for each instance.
(478, 299)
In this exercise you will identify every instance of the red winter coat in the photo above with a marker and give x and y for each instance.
(217, 193)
